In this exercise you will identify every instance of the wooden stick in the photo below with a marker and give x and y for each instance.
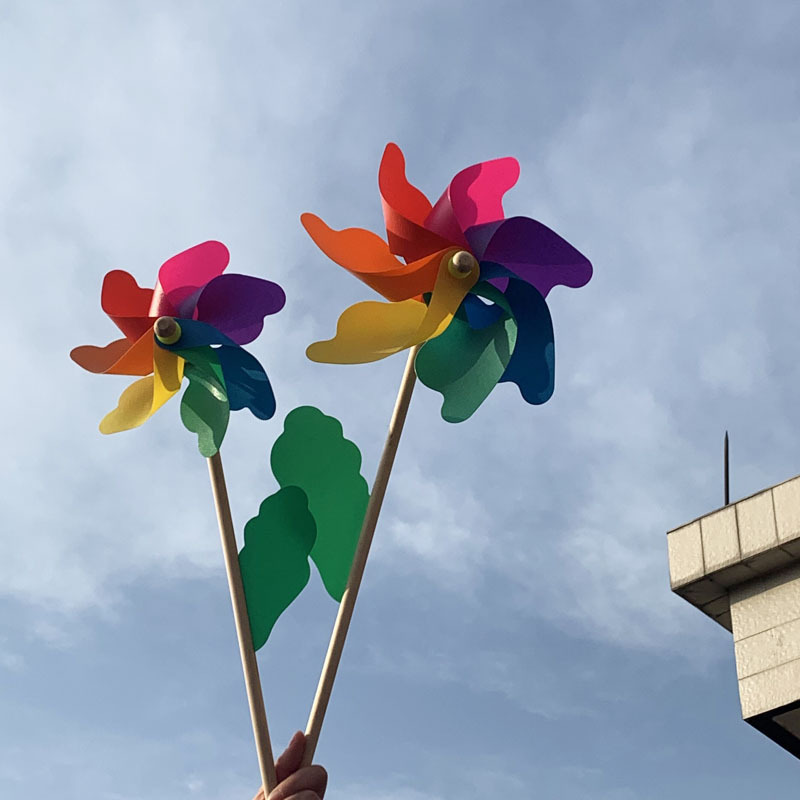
(258, 714)
(340, 628)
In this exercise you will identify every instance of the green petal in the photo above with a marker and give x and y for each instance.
(204, 406)
(465, 364)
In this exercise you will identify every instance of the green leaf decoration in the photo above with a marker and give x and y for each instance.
(313, 454)
(464, 364)
(204, 406)
(274, 559)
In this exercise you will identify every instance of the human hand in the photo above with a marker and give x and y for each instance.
(294, 782)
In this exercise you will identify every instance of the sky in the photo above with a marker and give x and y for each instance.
(515, 634)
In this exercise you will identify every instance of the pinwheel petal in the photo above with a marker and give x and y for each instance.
(237, 304)
(134, 406)
(476, 193)
(181, 278)
(168, 373)
(409, 281)
(536, 254)
(120, 357)
(355, 249)
(532, 365)
(473, 197)
(127, 303)
(480, 314)
(246, 382)
(368, 257)
(144, 397)
(204, 406)
(443, 222)
(448, 294)
(465, 363)
(479, 237)
(395, 189)
(370, 331)
(195, 333)
(405, 209)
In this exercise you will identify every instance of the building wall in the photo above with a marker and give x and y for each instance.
(765, 615)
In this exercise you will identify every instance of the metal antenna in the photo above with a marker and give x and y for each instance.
(727, 473)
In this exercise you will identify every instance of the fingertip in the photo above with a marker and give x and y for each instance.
(297, 744)
(290, 760)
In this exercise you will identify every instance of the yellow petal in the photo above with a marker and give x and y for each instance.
(372, 330)
(448, 294)
(144, 397)
(168, 371)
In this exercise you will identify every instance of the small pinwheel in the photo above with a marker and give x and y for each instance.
(192, 324)
(471, 292)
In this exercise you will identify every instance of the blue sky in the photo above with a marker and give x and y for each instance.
(515, 635)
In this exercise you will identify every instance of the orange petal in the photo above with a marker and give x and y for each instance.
(367, 256)
(355, 249)
(408, 281)
(121, 357)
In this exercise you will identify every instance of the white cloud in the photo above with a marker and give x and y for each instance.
(428, 529)
(663, 147)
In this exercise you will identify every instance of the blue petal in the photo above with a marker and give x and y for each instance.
(477, 313)
(246, 381)
(197, 334)
(247, 384)
(532, 364)
(490, 270)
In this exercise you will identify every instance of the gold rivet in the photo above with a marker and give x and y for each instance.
(461, 264)
(167, 330)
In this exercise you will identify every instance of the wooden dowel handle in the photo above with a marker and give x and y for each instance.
(342, 624)
(255, 699)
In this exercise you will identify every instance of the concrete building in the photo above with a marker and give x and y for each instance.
(740, 565)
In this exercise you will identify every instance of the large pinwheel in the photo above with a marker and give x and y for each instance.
(470, 303)
(201, 317)
(471, 291)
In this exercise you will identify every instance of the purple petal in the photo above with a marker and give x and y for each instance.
(479, 236)
(537, 255)
(237, 304)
